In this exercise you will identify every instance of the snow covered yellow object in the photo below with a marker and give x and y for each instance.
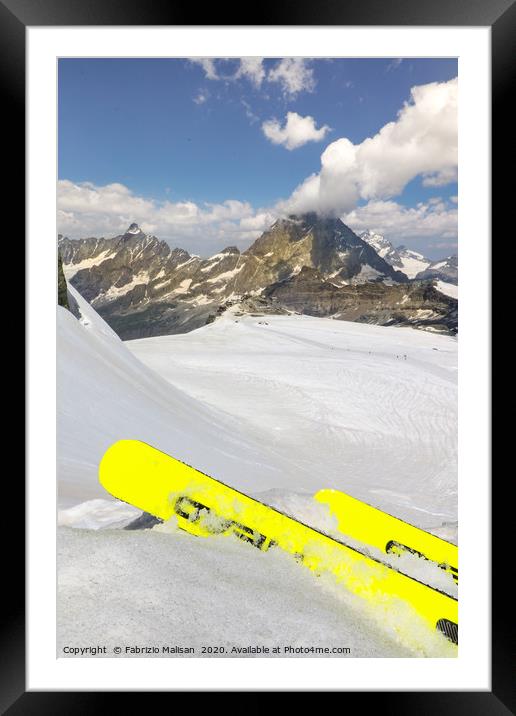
(365, 523)
(157, 483)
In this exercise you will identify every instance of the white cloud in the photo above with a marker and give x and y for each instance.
(208, 66)
(252, 68)
(293, 75)
(421, 141)
(305, 197)
(431, 220)
(296, 131)
(112, 200)
(88, 210)
(440, 178)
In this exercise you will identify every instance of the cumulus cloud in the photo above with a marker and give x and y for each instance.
(293, 75)
(113, 204)
(357, 182)
(85, 209)
(89, 210)
(421, 141)
(296, 131)
(440, 178)
(434, 219)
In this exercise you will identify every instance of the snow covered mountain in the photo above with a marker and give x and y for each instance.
(412, 261)
(258, 403)
(142, 287)
(444, 276)
(446, 270)
(443, 273)
(406, 260)
(307, 264)
(382, 247)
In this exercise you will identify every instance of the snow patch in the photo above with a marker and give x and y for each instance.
(367, 273)
(412, 264)
(213, 261)
(185, 263)
(226, 275)
(449, 289)
(71, 269)
(183, 286)
(98, 514)
(115, 292)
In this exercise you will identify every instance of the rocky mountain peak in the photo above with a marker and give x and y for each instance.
(134, 229)
(378, 242)
(408, 261)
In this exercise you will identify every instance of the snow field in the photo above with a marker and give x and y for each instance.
(277, 407)
(365, 409)
(162, 586)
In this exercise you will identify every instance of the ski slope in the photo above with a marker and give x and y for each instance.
(277, 407)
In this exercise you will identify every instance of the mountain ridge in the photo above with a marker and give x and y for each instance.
(143, 287)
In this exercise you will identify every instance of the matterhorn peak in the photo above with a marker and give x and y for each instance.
(133, 229)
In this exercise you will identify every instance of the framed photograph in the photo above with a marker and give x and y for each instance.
(259, 427)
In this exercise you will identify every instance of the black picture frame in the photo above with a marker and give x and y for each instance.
(15, 17)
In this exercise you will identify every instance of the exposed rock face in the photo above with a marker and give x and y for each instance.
(417, 304)
(101, 268)
(62, 291)
(446, 270)
(142, 287)
(327, 245)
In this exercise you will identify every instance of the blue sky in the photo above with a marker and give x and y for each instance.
(176, 140)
